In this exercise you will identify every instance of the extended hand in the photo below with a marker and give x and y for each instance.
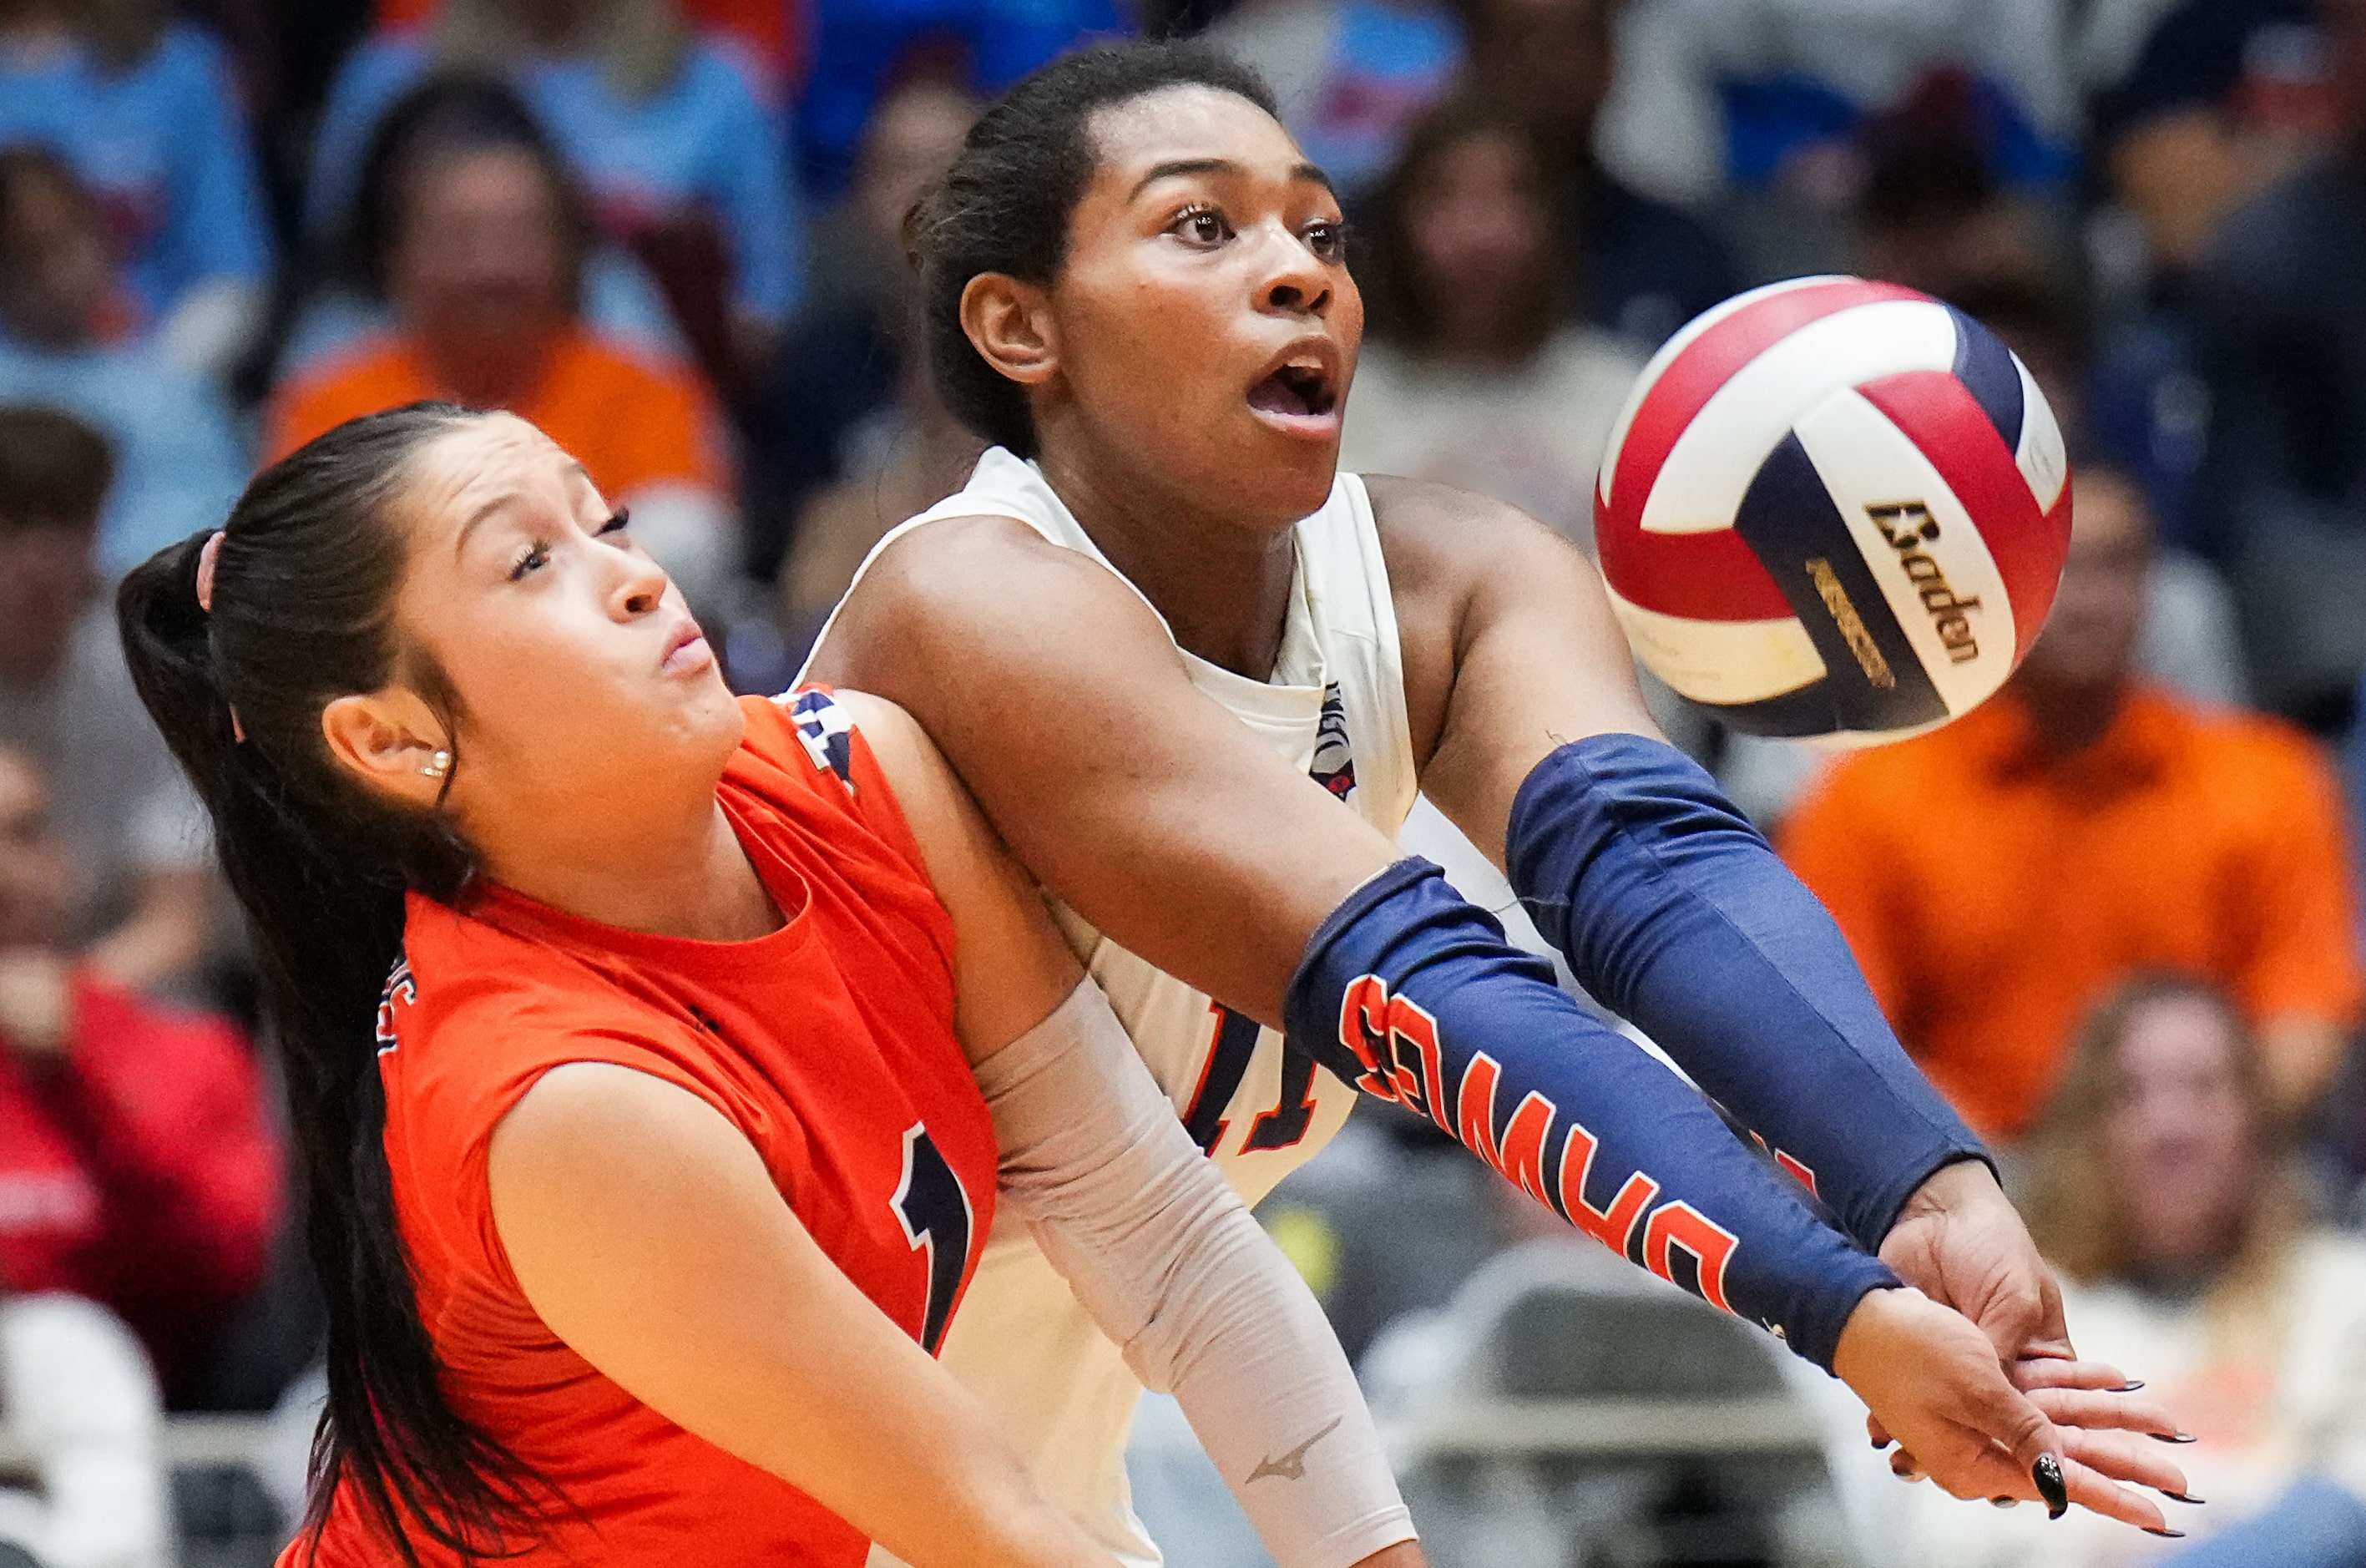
(1932, 1379)
(1960, 1243)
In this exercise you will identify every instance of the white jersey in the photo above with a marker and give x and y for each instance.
(1335, 707)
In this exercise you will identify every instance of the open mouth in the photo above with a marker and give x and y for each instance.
(1301, 389)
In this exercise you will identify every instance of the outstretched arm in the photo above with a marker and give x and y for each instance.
(647, 1233)
(1147, 808)
(1155, 1244)
(1672, 907)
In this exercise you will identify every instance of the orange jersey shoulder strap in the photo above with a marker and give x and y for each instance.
(810, 737)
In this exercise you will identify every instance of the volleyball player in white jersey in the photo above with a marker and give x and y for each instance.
(1166, 648)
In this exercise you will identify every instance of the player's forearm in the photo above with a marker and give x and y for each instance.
(1171, 1266)
(1002, 1520)
(1411, 995)
(1674, 910)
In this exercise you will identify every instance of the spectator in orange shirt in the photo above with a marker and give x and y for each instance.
(474, 228)
(1996, 876)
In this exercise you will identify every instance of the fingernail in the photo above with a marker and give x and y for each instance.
(2047, 1473)
(2170, 1437)
(1880, 1444)
(2003, 1502)
(2179, 1497)
(2128, 1387)
(2172, 1535)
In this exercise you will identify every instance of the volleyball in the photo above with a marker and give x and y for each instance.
(1833, 510)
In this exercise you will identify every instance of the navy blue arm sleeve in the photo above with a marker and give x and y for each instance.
(1411, 994)
(1674, 911)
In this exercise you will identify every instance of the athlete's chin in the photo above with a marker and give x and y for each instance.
(1293, 459)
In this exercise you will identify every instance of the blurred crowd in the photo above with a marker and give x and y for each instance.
(2113, 912)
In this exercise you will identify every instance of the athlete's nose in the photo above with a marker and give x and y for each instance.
(1301, 283)
(639, 586)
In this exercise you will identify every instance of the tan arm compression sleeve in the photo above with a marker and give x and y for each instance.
(1166, 1259)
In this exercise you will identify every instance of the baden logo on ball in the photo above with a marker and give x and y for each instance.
(1833, 510)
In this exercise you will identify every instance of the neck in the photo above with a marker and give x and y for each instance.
(2066, 718)
(1223, 585)
(684, 877)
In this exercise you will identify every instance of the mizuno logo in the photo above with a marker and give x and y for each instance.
(1291, 1466)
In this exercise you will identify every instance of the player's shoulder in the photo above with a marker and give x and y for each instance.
(975, 558)
(977, 594)
(474, 1011)
(1436, 530)
(1448, 550)
(1426, 511)
(467, 970)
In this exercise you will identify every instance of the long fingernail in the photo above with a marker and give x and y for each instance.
(2128, 1387)
(2170, 1437)
(2047, 1473)
(2179, 1497)
(2172, 1535)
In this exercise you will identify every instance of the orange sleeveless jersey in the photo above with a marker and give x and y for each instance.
(830, 1043)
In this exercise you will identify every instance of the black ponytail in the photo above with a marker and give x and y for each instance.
(303, 599)
(1004, 204)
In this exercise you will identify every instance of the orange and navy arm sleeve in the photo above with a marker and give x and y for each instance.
(1411, 995)
(1675, 913)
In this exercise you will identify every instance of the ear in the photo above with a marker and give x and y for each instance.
(388, 740)
(1009, 324)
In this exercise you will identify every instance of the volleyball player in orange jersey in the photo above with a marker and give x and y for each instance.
(631, 1029)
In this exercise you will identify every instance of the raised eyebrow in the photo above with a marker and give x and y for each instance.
(1181, 166)
(1176, 168)
(574, 470)
(460, 540)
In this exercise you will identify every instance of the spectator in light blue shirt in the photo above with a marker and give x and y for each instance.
(147, 113)
(179, 466)
(671, 130)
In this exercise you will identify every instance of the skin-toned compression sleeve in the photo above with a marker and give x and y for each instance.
(1675, 912)
(1166, 1258)
(1411, 994)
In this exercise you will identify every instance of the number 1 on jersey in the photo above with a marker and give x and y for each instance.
(1231, 1048)
(934, 1210)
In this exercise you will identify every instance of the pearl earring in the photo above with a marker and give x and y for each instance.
(438, 765)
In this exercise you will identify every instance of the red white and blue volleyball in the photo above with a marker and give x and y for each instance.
(1835, 510)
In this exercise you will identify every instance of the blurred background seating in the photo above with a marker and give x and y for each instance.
(671, 230)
